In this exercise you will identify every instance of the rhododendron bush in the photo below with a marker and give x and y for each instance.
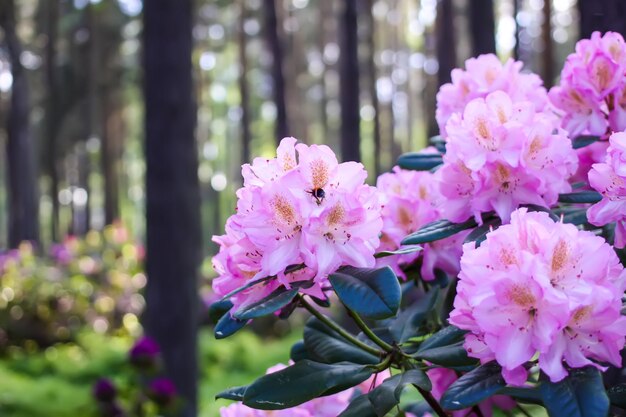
(485, 272)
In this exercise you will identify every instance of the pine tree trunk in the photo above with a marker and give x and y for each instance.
(278, 77)
(243, 87)
(548, 54)
(602, 15)
(482, 27)
(349, 88)
(20, 151)
(172, 192)
(373, 77)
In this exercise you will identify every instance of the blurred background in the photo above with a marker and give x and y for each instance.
(90, 105)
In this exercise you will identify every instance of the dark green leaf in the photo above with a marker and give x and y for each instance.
(584, 140)
(218, 309)
(278, 299)
(387, 395)
(617, 395)
(245, 287)
(473, 387)
(418, 161)
(451, 355)
(228, 325)
(325, 345)
(409, 321)
(580, 197)
(235, 394)
(444, 337)
(402, 251)
(437, 230)
(359, 407)
(299, 352)
(581, 394)
(527, 395)
(535, 207)
(574, 216)
(371, 293)
(302, 382)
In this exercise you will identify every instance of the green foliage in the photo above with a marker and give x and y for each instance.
(580, 394)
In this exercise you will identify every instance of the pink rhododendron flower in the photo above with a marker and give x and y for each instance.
(410, 201)
(302, 207)
(482, 76)
(442, 378)
(591, 94)
(609, 179)
(501, 154)
(536, 287)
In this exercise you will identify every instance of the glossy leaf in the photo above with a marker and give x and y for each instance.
(581, 394)
(299, 352)
(473, 387)
(409, 321)
(228, 325)
(371, 293)
(452, 355)
(402, 251)
(419, 162)
(584, 140)
(444, 337)
(580, 197)
(278, 299)
(235, 393)
(437, 230)
(617, 395)
(387, 395)
(302, 382)
(326, 345)
(359, 407)
(218, 309)
(479, 234)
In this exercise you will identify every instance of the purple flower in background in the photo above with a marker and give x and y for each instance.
(104, 390)
(162, 391)
(145, 353)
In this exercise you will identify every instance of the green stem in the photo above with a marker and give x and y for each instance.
(368, 332)
(337, 328)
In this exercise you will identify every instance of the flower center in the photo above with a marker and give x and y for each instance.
(559, 257)
(336, 215)
(319, 173)
(283, 209)
(521, 296)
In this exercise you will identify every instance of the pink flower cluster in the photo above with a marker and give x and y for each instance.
(484, 75)
(536, 287)
(410, 201)
(442, 378)
(609, 179)
(502, 153)
(329, 406)
(302, 207)
(592, 92)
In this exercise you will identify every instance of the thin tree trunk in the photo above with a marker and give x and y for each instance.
(23, 195)
(243, 86)
(52, 115)
(109, 157)
(276, 49)
(516, 48)
(548, 54)
(349, 89)
(482, 27)
(446, 52)
(373, 77)
(602, 15)
(172, 192)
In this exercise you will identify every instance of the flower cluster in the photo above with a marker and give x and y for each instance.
(410, 201)
(484, 75)
(328, 406)
(609, 179)
(592, 92)
(537, 287)
(302, 207)
(500, 154)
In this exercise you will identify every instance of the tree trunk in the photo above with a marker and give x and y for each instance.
(111, 129)
(446, 53)
(173, 233)
(516, 48)
(278, 77)
(373, 77)
(547, 54)
(243, 87)
(602, 15)
(349, 88)
(22, 190)
(482, 27)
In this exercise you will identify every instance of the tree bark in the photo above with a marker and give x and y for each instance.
(111, 141)
(446, 52)
(172, 192)
(373, 77)
(278, 77)
(22, 191)
(243, 87)
(349, 89)
(548, 54)
(602, 15)
(482, 27)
